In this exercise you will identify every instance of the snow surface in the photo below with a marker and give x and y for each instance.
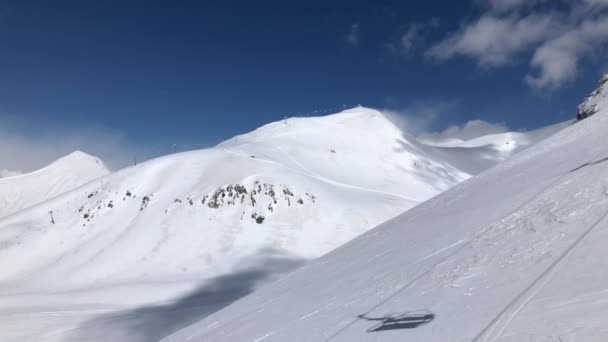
(516, 253)
(143, 252)
(19, 191)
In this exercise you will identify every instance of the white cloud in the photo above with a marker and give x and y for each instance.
(557, 60)
(470, 130)
(557, 34)
(419, 117)
(413, 37)
(23, 150)
(409, 38)
(495, 41)
(353, 35)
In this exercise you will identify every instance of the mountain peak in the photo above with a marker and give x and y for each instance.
(354, 121)
(64, 174)
(79, 158)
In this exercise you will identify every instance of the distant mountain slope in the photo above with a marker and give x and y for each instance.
(21, 191)
(480, 153)
(514, 254)
(301, 187)
(217, 222)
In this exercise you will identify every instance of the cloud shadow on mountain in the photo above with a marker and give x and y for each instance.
(154, 322)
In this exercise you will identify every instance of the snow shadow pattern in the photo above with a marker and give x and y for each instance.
(155, 322)
(407, 320)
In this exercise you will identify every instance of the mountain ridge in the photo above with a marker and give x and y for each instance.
(274, 199)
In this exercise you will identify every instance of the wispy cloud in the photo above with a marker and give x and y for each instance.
(557, 34)
(418, 117)
(353, 35)
(494, 41)
(22, 150)
(413, 38)
(470, 130)
(425, 120)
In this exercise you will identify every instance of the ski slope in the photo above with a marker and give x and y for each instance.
(516, 253)
(18, 192)
(148, 250)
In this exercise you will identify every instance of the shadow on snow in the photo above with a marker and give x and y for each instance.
(153, 323)
(407, 320)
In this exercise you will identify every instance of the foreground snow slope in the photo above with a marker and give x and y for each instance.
(21, 191)
(207, 226)
(514, 254)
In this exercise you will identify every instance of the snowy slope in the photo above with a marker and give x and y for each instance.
(21, 191)
(481, 152)
(208, 225)
(514, 254)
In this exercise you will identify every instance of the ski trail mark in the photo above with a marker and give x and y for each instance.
(441, 250)
(498, 325)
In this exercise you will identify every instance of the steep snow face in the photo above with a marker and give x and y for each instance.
(19, 191)
(210, 225)
(514, 254)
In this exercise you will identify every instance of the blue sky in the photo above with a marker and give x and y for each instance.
(118, 78)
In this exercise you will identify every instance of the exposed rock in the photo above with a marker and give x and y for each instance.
(269, 196)
(589, 107)
(144, 202)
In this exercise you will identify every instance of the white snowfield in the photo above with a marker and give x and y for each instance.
(18, 192)
(148, 250)
(517, 253)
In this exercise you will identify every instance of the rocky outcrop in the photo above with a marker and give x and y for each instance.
(590, 105)
(257, 201)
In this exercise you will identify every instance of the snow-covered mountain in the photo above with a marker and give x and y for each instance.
(482, 152)
(19, 191)
(516, 253)
(214, 222)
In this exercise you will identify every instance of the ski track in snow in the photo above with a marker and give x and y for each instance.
(497, 326)
(479, 235)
